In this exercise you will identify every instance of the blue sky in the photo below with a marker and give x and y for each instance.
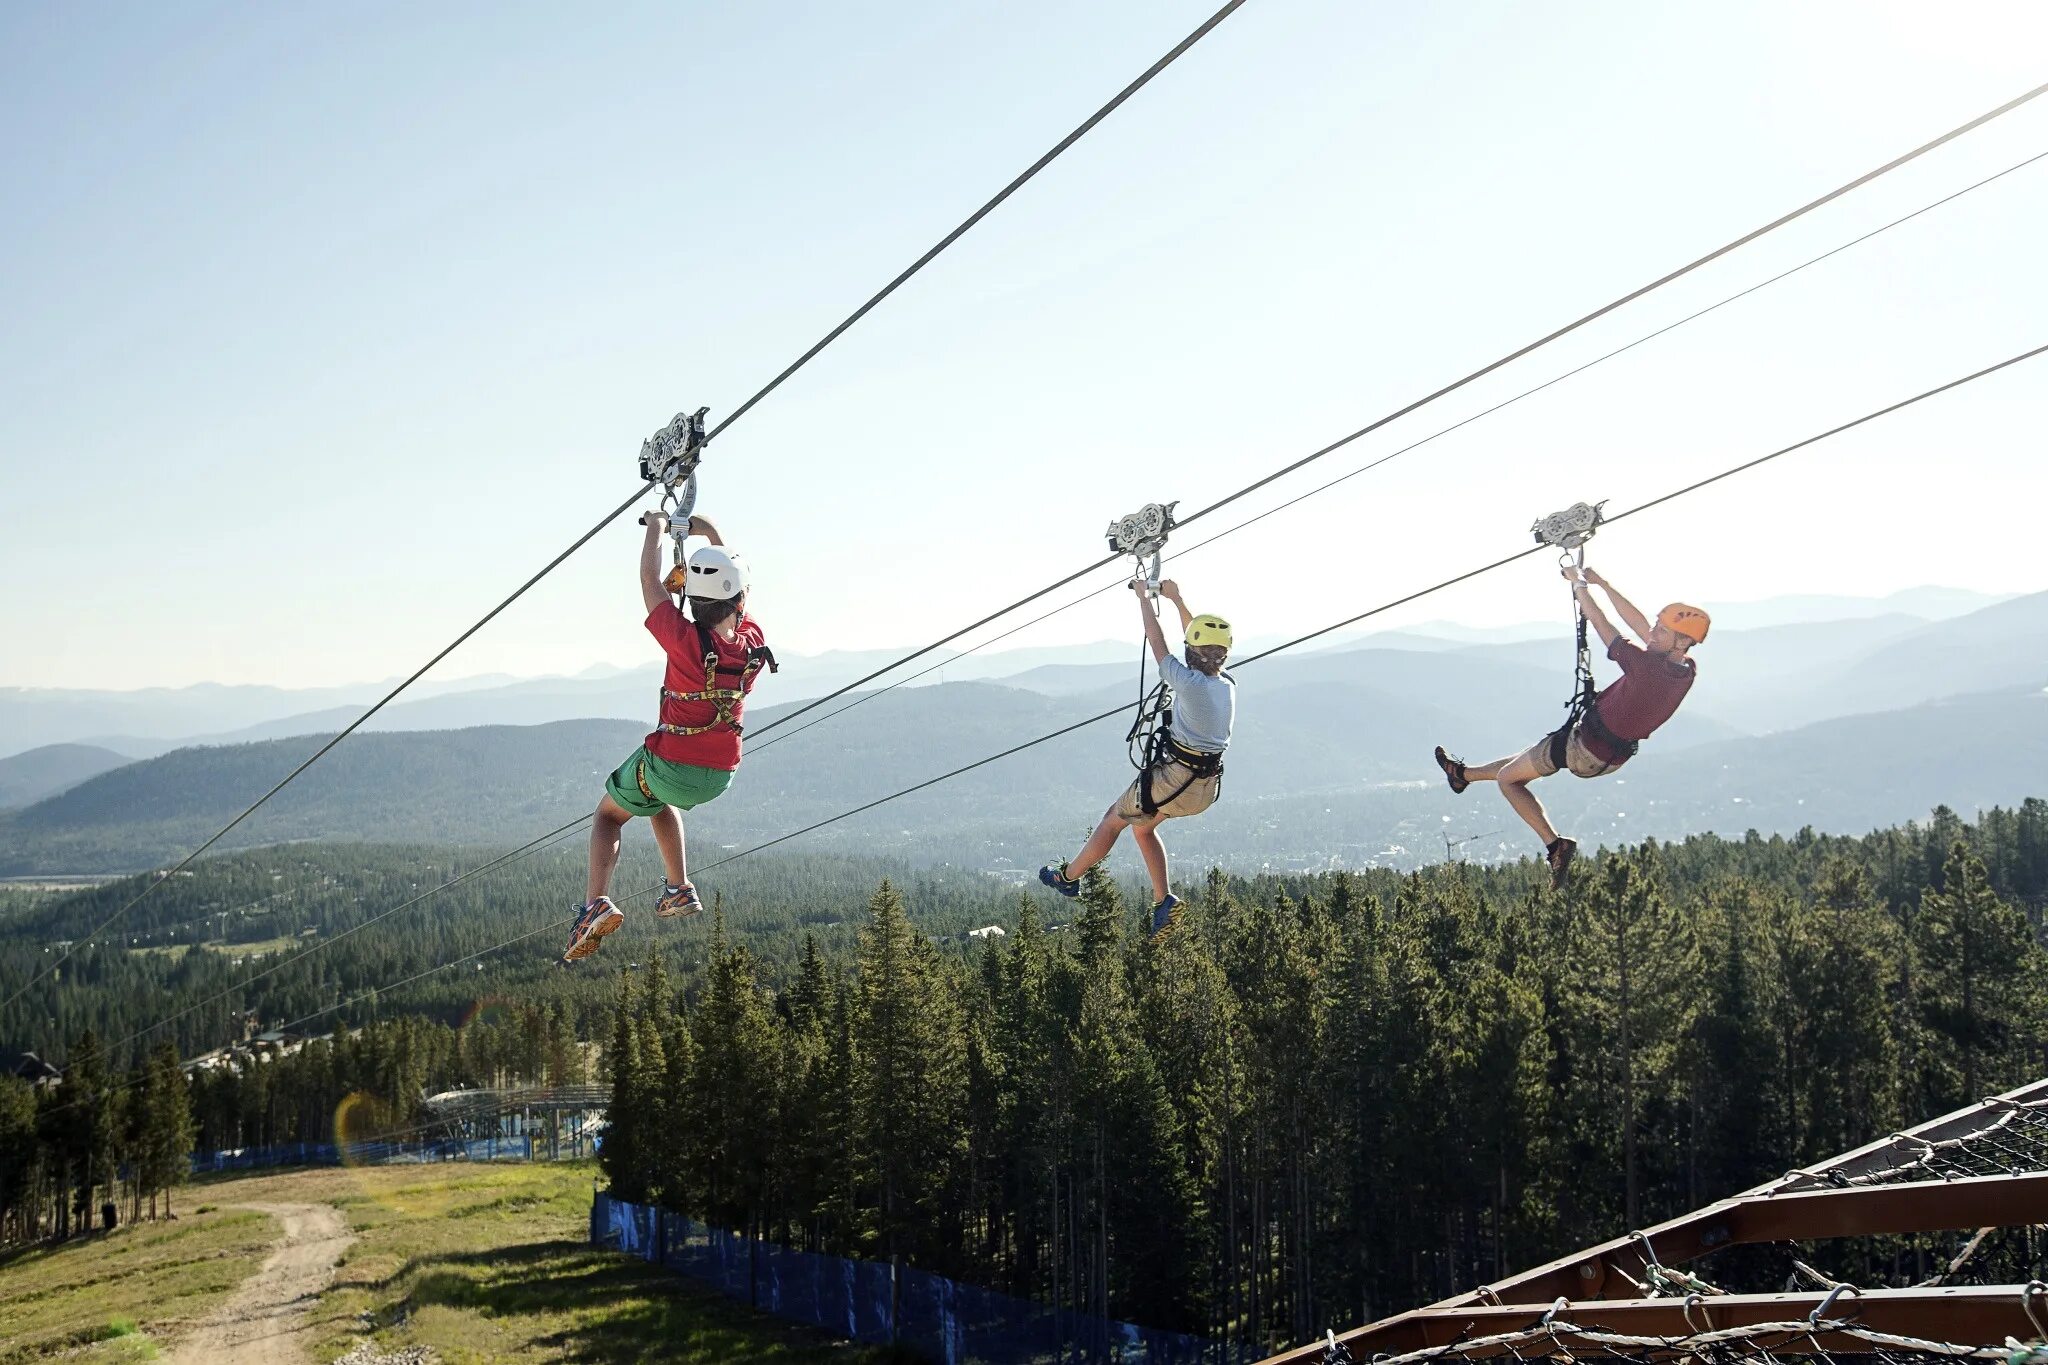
(326, 327)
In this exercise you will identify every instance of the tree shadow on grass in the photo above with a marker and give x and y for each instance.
(623, 1309)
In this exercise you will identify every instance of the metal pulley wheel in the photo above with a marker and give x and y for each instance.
(1142, 532)
(1571, 528)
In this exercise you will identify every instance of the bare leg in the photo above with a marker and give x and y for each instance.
(1098, 845)
(668, 837)
(1488, 772)
(605, 826)
(1146, 837)
(1515, 775)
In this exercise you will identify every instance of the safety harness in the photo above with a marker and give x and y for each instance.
(1142, 535)
(1161, 748)
(725, 701)
(1569, 531)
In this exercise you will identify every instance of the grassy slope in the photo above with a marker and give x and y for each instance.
(113, 1294)
(492, 1263)
(481, 1263)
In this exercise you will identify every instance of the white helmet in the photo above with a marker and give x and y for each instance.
(716, 573)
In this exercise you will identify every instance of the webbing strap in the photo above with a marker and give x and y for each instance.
(724, 700)
(1583, 689)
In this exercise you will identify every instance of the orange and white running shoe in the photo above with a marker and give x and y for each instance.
(599, 918)
(677, 900)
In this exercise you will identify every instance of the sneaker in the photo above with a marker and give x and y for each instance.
(1559, 855)
(1164, 914)
(599, 918)
(678, 900)
(1454, 770)
(1056, 878)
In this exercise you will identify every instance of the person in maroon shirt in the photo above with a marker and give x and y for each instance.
(1655, 676)
(714, 654)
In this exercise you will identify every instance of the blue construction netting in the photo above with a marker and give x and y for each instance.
(868, 1301)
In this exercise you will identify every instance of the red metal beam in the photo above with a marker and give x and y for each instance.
(1805, 1215)
(1965, 1315)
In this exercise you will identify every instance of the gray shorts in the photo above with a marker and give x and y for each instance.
(1581, 760)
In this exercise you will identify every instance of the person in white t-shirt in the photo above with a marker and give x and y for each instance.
(1184, 772)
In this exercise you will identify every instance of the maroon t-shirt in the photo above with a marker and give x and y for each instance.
(1645, 696)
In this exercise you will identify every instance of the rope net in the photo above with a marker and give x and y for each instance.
(2014, 1142)
(1557, 1339)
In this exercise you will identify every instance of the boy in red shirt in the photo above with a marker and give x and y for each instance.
(1655, 677)
(714, 655)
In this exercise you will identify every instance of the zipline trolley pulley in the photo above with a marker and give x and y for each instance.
(1142, 535)
(1572, 528)
(669, 457)
(1568, 531)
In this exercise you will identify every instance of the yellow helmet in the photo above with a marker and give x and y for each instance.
(1209, 630)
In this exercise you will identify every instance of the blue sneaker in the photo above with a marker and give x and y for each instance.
(1057, 879)
(1163, 914)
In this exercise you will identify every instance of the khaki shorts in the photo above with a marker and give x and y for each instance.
(1196, 794)
(1581, 760)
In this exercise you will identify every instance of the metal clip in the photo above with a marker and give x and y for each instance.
(2035, 1288)
(1555, 1308)
(1571, 528)
(1819, 1312)
(1693, 1301)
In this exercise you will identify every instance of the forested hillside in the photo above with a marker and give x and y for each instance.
(291, 921)
(1320, 1099)
(1325, 1101)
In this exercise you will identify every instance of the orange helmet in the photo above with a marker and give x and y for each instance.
(1690, 622)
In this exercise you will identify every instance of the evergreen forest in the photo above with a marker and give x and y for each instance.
(1318, 1100)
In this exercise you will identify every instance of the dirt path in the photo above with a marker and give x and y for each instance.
(263, 1323)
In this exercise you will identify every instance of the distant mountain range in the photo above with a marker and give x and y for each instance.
(1843, 725)
(30, 776)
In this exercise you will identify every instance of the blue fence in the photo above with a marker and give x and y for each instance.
(363, 1154)
(949, 1322)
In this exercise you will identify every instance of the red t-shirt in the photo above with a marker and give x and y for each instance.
(718, 747)
(1645, 696)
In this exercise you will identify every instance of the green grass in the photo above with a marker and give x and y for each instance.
(492, 1264)
(260, 948)
(480, 1263)
(112, 1297)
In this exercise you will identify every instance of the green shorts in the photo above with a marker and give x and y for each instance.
(644, 784)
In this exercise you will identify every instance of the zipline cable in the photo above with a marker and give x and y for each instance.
(559, 922)
(1033, 169)
(865, 697)
(297, 959)
(1449, 388)
(1237, 526)
(919, 264)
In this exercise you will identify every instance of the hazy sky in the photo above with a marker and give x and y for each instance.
(326, 325)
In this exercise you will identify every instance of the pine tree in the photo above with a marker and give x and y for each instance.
(1974, 957)
(627, 1155)
(911, 1084)
(164, 1157)
(734, 1096)
(1635, 980)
